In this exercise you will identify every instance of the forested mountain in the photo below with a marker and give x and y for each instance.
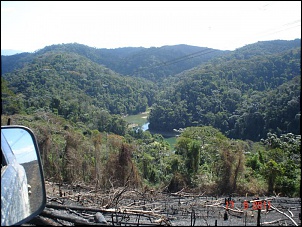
(13, 62)
(263, 48)
(151, 63)
(75, 88)
(245, 98)
(238, 115)
(229, 92)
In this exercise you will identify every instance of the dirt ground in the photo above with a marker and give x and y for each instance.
(127, 207)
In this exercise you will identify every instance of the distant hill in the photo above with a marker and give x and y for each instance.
(152, 63)
(246, 94)
(7, 52)
(262, 48)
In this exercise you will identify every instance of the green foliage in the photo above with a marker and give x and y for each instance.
(245, 94)
(245, 98)
(198, 146)
(77, 89)
(253, 162)
(283, 163)
(239, 166)
(10, 102)
(204, 158)
(223, 106)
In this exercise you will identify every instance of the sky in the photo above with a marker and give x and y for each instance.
(21, 144)
(225, 25)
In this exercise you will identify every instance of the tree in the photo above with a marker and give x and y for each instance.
(271, 170)
(193, 157)
(282, 161)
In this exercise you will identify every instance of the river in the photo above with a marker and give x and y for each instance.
(140, 120)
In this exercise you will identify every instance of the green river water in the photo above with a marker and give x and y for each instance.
(142, 121)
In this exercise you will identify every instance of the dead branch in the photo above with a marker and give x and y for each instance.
(272, 222)
(179, 193)
(66, 207)
(291, 213)
(117, 194)
(275, 208)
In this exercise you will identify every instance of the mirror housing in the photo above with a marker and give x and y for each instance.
(23, 194)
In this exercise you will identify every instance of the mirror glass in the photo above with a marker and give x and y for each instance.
(23, 193)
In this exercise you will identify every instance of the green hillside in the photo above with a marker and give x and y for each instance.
(152, 63)
(244, 98)
(76, 88)
(237, 113)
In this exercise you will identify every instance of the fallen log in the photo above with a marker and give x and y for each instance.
(40, 220)
(72, 219)
(66, 207)
(160, 218)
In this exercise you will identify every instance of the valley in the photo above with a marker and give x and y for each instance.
(238, 111)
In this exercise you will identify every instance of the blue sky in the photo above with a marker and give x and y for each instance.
(225, 25)
(21, 144)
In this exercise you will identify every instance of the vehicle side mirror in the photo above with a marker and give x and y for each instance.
(23, 194)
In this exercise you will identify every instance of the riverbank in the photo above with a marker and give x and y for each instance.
(141, 120)
(137, 120)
